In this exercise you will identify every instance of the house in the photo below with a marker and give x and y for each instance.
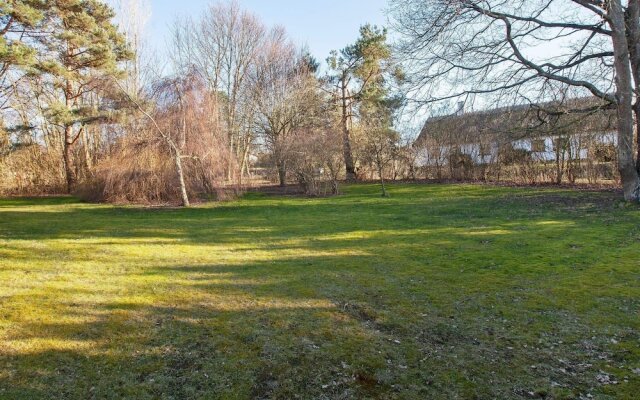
(546, 132)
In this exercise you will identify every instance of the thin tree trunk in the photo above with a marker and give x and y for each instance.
(177, 158)
(244, 165)
(626, 162)
(231, 151)
(87, 149)
(384, 189)
(560, 153)
(381, 174)
(96, 144)
(636, 110)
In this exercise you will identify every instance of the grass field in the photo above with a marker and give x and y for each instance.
(440, 291)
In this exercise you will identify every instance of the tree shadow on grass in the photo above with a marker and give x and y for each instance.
(355, 298)
(207, 337)
(244, 347)
(269, 218)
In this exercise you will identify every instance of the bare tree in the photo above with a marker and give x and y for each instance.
(177, 118)
(381, 140)
(381, 144)
(506, 51)
(316, 159)
(222, 46)
(286, 96)
(132, 17)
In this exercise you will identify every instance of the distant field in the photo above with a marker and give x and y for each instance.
(440, 291)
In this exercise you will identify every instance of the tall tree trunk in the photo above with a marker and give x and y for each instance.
(244, 165)
(69, 166)
(632, 21)
(346, 139)
(559, 160)
(626, 162)
(231, 151)
(558, 170)
(69, 140)
(282, 173)
(636, 110)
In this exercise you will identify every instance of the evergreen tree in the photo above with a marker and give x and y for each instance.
(19, 20)
(359, 72)
(79, 58)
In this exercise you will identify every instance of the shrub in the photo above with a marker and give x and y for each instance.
(461, 165)
(316, 161)
(143, 171)
(30, 170)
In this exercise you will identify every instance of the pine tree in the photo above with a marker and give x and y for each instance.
(19, 20)
(79, 58)
(358, 72)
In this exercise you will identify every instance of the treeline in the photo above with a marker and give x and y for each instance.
(86, 110)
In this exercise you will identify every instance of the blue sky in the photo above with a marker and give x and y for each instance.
(323, 25)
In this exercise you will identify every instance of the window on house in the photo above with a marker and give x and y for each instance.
(538, 146)
(485, 150)
(560, 144)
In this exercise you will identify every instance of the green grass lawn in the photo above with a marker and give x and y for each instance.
(440, 291)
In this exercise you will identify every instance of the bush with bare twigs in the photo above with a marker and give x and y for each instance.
(316, 161)
(30, 170)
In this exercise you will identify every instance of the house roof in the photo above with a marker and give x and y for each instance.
(580, 115)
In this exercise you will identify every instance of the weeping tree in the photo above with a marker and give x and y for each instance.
(178, 130)
(78, 58)
(514, 51)
(222, 45)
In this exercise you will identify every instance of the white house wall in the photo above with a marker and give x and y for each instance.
(608, 138)
(427, 158)
(548, 154)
